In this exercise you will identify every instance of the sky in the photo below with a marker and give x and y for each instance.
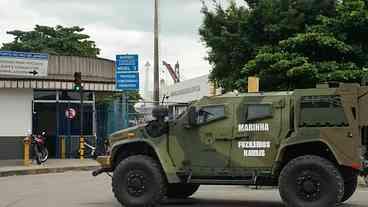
(121, 27)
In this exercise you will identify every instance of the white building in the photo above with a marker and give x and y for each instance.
(190, 90)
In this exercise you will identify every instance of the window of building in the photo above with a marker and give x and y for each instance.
(322, 111)
(72, 126)
(210, 113)
(258, 111)
(75, 96)
(69, 96)
(44, 95)
(88, 96)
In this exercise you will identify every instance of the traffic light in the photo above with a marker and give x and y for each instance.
(78, 81)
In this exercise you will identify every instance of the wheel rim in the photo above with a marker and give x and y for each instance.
(44, 156)
(309, 186)
(136, 183)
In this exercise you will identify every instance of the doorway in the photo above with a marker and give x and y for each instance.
(44, 119)
(49, 115)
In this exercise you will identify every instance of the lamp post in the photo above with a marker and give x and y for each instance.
(156, 78)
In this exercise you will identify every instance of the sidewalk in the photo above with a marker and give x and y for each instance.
(51, 166)
(361, 182)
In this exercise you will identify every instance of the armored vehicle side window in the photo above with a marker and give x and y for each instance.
(322, 111)
(258, 111)
(210, 113)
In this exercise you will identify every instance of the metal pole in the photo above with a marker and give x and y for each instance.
(81, 112)
(124, 102)
(156, 79)
(69, 140)
(81, 139)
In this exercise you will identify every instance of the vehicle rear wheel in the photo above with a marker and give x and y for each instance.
(311, 181)
(350, 186)
(139, 181)
(181, 190)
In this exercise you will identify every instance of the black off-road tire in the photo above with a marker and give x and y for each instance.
(181, 190)
(138, 181)
(311, 181)
(350, 186)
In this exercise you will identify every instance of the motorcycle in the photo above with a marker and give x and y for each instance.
(39, 148)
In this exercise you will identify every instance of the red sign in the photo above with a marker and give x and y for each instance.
(70, 113)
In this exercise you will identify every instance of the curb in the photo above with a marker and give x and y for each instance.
(46, 170)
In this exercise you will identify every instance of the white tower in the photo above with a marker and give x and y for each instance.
(146, 91)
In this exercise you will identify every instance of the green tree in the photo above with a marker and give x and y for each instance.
(333, 49)
(294, 43)
(59, 41)
(224, 33)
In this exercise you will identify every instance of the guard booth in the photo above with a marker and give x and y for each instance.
(36, 99)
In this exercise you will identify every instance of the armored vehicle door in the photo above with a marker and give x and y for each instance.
(204, 149)
(260, 123)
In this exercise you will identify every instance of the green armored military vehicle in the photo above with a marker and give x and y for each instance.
(307, 142)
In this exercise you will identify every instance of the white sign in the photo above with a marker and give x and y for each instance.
(258, 127)
(188, 90)
(23, 63)
(254, 148)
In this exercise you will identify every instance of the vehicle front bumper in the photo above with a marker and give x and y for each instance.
(105, 162)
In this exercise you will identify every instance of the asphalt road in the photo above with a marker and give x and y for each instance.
(80, 189)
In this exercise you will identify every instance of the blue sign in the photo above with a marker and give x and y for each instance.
(127, 73)
(127, 76)
(125, 68)
(24, 55)
(127, 60)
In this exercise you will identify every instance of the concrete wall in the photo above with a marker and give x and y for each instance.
(15, 112)
(63, 68)
(11, 148)
(92, 69)
(15, 121)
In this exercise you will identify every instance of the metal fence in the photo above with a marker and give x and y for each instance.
(69, 146)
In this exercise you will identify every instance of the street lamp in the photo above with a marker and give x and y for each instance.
(156, 78)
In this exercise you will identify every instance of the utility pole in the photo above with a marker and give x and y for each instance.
(156, 78)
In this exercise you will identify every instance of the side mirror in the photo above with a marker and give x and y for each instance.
(192, 116)
(160, 112)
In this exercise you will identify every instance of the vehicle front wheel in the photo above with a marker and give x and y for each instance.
(139, 181)
(181, 190)
(311, 181)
